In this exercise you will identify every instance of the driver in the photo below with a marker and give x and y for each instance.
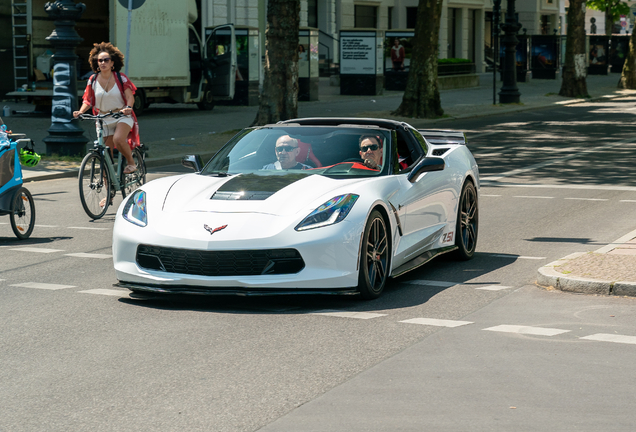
(371, 151)
(286, 152)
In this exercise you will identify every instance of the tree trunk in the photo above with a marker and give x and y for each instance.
(628, 76)
(574, 68)
(421, 97)
(609, 20)
(279, 99)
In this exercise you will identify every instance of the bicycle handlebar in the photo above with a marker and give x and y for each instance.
(115, 115)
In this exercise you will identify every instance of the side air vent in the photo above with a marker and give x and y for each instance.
(439, 151)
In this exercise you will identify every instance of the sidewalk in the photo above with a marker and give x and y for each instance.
(609, 270)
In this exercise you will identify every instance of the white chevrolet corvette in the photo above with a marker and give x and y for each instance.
(316, 205)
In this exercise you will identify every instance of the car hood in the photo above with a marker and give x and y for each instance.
(279, 195)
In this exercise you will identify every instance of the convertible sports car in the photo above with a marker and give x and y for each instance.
(331, 224)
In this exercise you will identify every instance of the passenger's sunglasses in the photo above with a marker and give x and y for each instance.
(103, 60)
(372, 147)
(288, 149)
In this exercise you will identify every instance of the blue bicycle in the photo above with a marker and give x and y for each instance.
(16, 200)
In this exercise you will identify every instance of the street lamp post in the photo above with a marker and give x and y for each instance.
(496, 12)
(65, 137)
(509, 92)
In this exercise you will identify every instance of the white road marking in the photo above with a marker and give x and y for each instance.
(89, 228)
(533, 196)
(436, 322)
(47, 226)
(484, 195)
(627, 201)
(88, 255)
(605, 337)
(517, 256)
(44, 286)
(432, 283)
(38, 250)
(494, 288)
(627, 237)
(538, 331)
(109, 292)
(558, 160)
(554, 186)
(357, 315)
(587, 199)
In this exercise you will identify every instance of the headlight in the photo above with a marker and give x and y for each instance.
(331, 212)
(135, 209)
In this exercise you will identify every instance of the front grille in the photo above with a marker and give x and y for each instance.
(220, 263)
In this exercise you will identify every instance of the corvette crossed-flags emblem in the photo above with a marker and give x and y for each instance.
(213, 230)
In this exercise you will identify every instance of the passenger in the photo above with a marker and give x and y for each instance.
(371, 151)
(286, 152)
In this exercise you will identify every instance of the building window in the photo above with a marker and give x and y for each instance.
(366, 16)
(312, 13)
(411, 17)
(390, 12)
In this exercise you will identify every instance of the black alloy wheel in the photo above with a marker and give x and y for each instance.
(467, 222)
(374, 259)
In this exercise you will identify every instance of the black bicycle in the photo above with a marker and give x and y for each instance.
(99, 180)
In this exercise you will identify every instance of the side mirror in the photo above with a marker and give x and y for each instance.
(427, 164)
(193, 162)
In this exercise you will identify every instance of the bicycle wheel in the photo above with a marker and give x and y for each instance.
(130, 182)
(94, 185)
(22, 214)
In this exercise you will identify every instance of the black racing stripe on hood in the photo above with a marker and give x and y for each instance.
(254, 187)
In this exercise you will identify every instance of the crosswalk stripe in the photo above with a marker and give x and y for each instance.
(38, 250)
(342, 314)
(88, 255)
(436, 322)
(493, 288)
(432, 283)
(109, 292)
(605, 337)
(45, 286)
(538, 331)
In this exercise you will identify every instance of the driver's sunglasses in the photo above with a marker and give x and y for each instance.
(103, 60)
(288, 149)
(372, 147)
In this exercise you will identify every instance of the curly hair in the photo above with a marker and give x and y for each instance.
(116, 56)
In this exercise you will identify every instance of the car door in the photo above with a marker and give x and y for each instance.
(220, 43)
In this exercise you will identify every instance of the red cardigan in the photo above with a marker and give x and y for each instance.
(123, 83)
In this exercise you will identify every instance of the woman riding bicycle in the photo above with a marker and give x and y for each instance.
(109, 90)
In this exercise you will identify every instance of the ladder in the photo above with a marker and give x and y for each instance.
(21, 26)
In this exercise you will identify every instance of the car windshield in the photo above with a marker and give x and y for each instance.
(324, 150)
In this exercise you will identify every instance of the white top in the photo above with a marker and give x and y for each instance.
(106, 101)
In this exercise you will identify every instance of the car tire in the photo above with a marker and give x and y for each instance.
(207, 102)
(374, 257)
(467, 225)
(140, 103)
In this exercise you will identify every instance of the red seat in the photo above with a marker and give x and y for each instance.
(306, 155)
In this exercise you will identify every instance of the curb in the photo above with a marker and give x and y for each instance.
(548, 277)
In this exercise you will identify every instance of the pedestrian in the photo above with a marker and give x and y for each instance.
(110, 90)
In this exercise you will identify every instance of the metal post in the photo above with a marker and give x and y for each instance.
(65, 137)
(126, 59)
(496, 12)
(509, 92)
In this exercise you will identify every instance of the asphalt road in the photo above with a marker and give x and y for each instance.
(452, 346)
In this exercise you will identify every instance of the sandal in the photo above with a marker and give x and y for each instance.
(130, 169)
(102, 203)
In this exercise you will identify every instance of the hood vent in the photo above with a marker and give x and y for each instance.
(254, 187)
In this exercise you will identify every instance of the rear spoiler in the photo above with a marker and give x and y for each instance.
(442, 137)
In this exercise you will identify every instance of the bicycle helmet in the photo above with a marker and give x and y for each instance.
(28, 156)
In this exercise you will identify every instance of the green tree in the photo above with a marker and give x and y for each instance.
(279, 98)
(613, 10)
(575, 68)
(421, 97)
